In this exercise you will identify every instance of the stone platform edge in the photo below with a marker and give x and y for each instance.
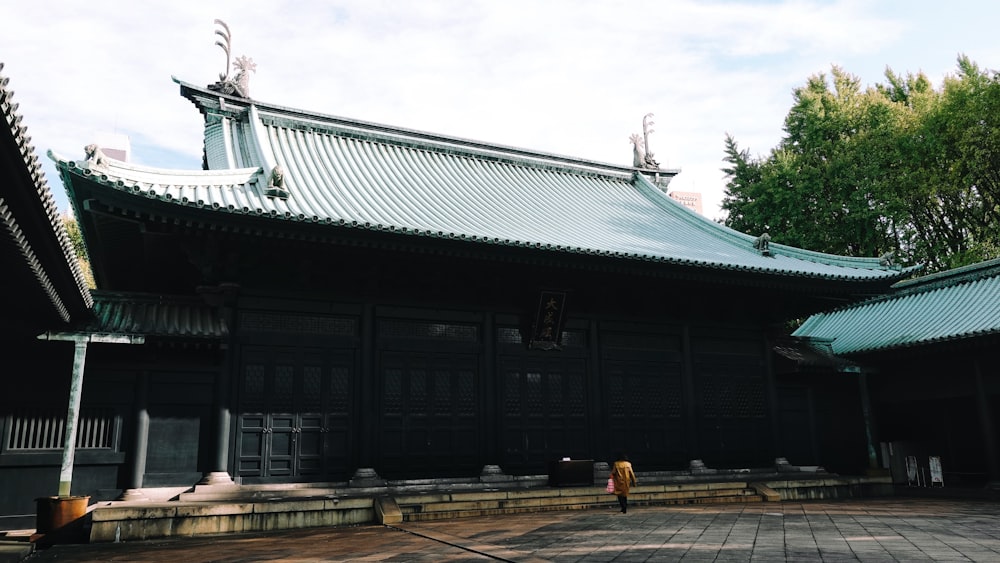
(131, 521)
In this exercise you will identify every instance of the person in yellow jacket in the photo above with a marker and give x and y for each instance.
(624, 479)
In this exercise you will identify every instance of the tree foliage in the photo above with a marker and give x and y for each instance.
(899, 167)
(76, 238)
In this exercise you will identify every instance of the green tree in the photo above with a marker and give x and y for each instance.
(76, 239)
(898, 167)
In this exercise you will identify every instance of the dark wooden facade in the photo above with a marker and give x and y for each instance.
(941, 401)
(415, 361)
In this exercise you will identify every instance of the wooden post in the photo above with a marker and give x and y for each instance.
(866, 412)
(986, 422)
(80, 341)
(72, 417)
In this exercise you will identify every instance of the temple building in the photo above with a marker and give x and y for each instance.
(928, 353)
(329, 300)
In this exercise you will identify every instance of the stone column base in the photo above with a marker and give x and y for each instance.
(697, 467)
(133, 495)
(366, 477)
(216, 478)
(493, 474)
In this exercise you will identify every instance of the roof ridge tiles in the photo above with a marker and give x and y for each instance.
(319, 122)
(115, 172)
(954, 276)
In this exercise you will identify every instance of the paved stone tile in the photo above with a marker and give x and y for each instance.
(870, 530)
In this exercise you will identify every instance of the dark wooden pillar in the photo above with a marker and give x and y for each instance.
(140, 438)
(597, 417)
(489, 426)
(690, 406)
(368, 383)
(219, 471)
(224, 298)
(866, 413)
(987, 425)
(772, 399)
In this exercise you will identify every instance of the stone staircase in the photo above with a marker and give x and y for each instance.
(443, 505)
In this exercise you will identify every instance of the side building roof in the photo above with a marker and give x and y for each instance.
(351, 174)
(156, 315)
(954, 305)
(42, 284)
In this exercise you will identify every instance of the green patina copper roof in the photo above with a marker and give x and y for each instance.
(352, 174)
(953, 305)
(155, 315)
(811, 353)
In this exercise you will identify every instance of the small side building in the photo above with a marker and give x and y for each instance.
(927, 352)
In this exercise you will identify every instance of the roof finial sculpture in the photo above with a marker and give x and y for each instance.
(225, 44)
(238, 85)
(641, 157)
(763, 244)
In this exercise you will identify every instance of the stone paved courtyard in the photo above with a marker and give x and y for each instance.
(895, 529)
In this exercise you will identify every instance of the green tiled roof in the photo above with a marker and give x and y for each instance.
(154, 315)
(811, 353)
(357, 175)
(953, 305)
(33, 242)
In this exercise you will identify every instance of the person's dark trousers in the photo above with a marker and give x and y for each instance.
(623, 502)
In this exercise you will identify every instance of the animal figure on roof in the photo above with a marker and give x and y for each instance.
(95, 156)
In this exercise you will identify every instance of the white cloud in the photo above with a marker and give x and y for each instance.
(566, 76)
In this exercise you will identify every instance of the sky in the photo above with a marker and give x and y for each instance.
(569, 77)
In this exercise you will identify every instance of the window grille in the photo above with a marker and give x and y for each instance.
(407, 329)
(509, 335)
(45, 429)
(569, 338)
(254, 321)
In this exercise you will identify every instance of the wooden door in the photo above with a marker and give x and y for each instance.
(429, 416)
(544, 412)
(644, 402)
(294, 405)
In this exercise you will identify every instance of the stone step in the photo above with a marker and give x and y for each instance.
(240, 494)
(251, 493)
(484, 510)
(281, 507)
(443, 505)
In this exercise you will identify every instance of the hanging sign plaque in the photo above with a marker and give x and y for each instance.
(547, 330)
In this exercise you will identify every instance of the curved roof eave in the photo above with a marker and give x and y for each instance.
(958, 304)
(41, 205)
(703, 244)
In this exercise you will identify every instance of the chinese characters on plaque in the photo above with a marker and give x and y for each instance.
(547, 330)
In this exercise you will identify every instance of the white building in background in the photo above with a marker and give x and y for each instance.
(691, 200)
(115, 145)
